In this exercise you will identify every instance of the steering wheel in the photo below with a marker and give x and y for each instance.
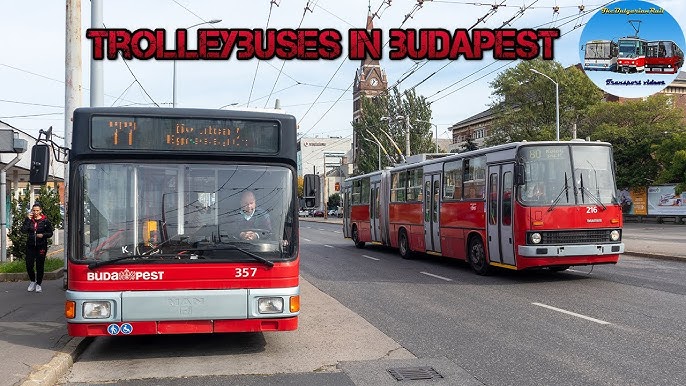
(260, 232)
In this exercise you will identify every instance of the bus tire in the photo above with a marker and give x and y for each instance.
(404, 245)
(356, 238)
(477, 256)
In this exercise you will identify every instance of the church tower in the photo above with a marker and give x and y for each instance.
(370, 81)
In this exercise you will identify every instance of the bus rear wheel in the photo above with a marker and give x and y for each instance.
(404, 245)
(356, 238)
(477, 257)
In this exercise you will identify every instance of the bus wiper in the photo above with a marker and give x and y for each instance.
(233, 247)
(593, 196)
(565, 189)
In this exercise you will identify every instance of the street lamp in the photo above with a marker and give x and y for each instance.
(434, 125)
(557, 103)
(213, 21)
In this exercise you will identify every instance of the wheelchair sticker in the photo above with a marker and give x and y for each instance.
(126, 328)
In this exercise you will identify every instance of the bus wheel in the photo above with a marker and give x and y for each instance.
(404, 245)
(356, 238)
(477, 257)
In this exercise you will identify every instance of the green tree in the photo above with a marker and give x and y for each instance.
(375, 121)
(647, 137)
(524, 101)
(50, 202)
(19, 209)
(469, 145)
(334, 201)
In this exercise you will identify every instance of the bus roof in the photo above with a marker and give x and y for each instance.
(187, 112)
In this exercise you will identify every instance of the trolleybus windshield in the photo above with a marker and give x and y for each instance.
(554, 174)
(184, 211)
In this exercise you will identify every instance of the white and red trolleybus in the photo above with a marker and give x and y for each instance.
(154, 222)
(516, 206)
(632, 54)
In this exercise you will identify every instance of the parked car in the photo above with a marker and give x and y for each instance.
(318, 213)
(303, 213)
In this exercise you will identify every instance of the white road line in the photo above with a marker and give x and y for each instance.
(328, 246)
(337, 232)
(371, 258)
(571, 313)
(436, 276)
(308, 240)
(321, 229)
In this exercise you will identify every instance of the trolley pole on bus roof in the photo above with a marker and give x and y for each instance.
(557, 103)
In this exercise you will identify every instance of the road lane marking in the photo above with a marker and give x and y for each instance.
(322, 229)
(436, 276)
(571, 313)
(308, 240)
(328, 246)
(371, 258)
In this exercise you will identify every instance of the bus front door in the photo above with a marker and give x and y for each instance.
(375, 212)
(346, 212)
(432, 230)
(499, 214)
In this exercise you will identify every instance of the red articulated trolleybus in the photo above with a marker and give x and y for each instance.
(155, 222)
(516, 206)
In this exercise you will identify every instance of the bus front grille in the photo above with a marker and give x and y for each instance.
(576, 237)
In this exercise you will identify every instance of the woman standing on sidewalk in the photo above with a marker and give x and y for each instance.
(39, 230)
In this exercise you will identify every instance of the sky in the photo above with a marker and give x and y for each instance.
(318, 93)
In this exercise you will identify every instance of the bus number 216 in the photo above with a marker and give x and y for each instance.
(245, 272)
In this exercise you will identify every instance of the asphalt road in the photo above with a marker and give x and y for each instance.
(371, 311)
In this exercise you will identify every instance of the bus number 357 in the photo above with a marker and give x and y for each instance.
(245, 272)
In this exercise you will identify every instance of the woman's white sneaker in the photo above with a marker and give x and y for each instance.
(38, 288)
(32, 286)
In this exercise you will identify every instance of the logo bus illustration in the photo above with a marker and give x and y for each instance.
(632, 49)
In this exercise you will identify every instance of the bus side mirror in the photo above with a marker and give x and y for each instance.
(520, 175)
(311, 190)
(40, 164)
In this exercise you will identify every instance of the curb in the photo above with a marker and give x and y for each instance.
(51, 372)
(655, 256)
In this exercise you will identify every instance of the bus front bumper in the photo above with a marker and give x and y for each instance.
(570, 250)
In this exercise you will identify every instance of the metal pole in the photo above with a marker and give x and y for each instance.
(96, 65)
(72, 97)
(407, 136)
(557, 110)
(379, 159)
(436, 126)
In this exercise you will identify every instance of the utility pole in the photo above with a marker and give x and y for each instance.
(72, 91)
(326, 209)
(96, 65)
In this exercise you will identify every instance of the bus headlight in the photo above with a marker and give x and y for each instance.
(614, 235)
(97, 310)
(535, 238)
(270, 305)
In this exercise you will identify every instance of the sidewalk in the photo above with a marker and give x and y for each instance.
(36, 349)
